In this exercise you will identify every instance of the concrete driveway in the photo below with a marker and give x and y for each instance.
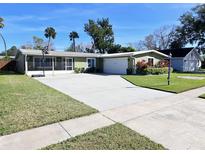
(102, 92)
(177, 121)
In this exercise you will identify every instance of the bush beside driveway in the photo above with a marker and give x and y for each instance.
(26, 103)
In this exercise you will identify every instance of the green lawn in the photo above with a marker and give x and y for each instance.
(160, 82)
(26, 103)
(114, 137)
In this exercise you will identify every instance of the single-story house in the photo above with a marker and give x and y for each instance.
(30, 61)
(184, 59)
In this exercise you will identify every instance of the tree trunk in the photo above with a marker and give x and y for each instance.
(73, 44)
(4, 44)
(49, 39)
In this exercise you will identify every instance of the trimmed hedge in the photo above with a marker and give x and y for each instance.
(156, 71)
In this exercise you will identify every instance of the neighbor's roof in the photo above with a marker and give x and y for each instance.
(58, 53)
(129, 54)
(94, 55)
(182, 52)
(12, 57)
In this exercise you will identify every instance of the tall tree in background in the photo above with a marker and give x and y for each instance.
(73, 35)
(150, 42)
(38, 43)
(101, 33)
(163, 36)
(10, 52)
(160, 39)
(192, 27)
(2, 26)
(27, 45)
(50, 33)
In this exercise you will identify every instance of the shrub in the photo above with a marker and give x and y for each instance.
(162, 63)
(79, 70)
(156, 71)
(141, 65)
(129, 71)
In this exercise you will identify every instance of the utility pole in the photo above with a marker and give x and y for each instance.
(169, 68)
(44, 51)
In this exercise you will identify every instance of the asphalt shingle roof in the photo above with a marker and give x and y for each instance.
(182, 52)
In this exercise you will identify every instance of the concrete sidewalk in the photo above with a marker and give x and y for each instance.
(43, 136)
(176, 122)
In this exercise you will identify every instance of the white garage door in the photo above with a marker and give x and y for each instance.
(115, 65)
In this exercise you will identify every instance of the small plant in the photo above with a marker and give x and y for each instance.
(79, 70)
(141, 65)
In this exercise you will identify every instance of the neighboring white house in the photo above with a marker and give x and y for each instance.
(185, 59)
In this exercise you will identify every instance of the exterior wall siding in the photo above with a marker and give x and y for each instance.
(177, 64)
(80, 62)
(191, 62)
(20, 63)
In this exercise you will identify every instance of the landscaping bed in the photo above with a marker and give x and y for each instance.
(26, 103)
(159, 82)
(114, 137)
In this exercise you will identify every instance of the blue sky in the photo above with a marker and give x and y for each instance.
(131, 22)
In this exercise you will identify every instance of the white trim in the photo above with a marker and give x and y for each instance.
(67, 65)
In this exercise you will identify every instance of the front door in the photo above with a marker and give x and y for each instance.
(69, 64)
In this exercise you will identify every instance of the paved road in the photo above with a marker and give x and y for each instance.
(102, 92)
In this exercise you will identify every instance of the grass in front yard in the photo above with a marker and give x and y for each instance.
(202, 96)
(160, 82)
(114, 137)
(26, 103)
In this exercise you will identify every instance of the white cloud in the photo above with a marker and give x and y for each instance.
(16, 18)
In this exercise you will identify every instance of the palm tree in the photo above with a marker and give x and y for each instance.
(50, 33)
(73, 35)
(2, 26)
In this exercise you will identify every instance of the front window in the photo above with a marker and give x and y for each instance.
(91, 62)
(150, 61)
(39, 62)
